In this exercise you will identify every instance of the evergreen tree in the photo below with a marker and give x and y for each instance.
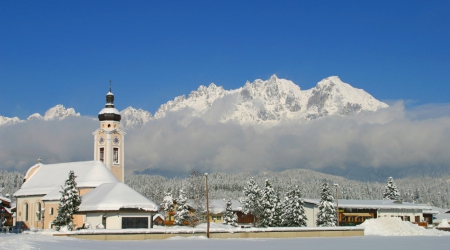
(326, 217)
(391, 191)
(251, 203)
(416, 195)
(229, 217)
(68, 204)
(293, 213)
(182, 211)
(167, 203)
(270, 216)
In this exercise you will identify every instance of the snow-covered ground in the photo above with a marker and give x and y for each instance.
(41, 241)
(404, 236)
(392, 226)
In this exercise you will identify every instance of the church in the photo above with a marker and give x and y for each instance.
(106, 200)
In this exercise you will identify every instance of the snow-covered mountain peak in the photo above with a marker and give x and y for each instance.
(35, 116)
(59, 112)
(261, 102)
(199, 100)
(333, 96)
(135, 118)
(8, 121)
(269, 101)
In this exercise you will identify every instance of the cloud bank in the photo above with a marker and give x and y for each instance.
(391, 138)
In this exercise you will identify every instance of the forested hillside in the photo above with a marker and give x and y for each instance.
(433, 191)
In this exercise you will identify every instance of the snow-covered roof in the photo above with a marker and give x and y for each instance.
(219, 206)
(54, 195)
(114, 197)
(5, 199)
(442, 215)
(109, 111)
(49, 177)
(374, 204)
(156, 216)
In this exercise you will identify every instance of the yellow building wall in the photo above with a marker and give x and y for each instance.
(31, 217)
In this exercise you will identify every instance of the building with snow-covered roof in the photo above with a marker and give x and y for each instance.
(116, 206)
(38, 197)
(99, 183)
(216, 210)
(6, 214)
(355, 212)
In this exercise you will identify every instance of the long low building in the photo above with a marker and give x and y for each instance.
(355, 212)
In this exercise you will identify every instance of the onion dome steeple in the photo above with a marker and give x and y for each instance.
(109, 113)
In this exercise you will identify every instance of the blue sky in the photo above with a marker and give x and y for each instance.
(61, 52)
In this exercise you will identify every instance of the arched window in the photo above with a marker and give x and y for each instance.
(38, 212)
(51, 211)
(25, 206)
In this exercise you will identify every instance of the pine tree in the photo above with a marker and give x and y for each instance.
(293, 213)
(416, 195)
(68, 204)
(391, 191)
(326, 217)
(182, 212)
(229, 217)
(270, 216)
(251, 203)
(167, 203)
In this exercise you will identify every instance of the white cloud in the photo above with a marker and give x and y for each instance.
(390, 138)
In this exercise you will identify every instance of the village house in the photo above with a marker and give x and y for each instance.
(6, 213)
(99, 182)
(355, 212)
(217, 209)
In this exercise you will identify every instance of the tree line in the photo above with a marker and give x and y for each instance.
(426, 190)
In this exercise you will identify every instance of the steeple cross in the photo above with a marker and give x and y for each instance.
(110, 81)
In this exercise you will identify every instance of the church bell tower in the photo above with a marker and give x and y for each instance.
(109, 139)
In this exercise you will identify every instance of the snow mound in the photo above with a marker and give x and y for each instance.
(393, 226)
(443, 224)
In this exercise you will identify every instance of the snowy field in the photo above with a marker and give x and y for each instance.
(382, 233)
(41, 241)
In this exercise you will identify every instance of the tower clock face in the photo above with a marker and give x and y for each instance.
(101, 140)
(116, 140)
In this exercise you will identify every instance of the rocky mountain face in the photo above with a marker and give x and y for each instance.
(271, 101)
(134, 118)
(258, 103)
(59, 112)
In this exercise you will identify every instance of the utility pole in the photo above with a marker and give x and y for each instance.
(207, 206)
(337, 204)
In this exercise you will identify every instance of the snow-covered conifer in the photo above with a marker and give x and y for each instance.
(391, 191)
(182, 211)
(229, 217)
(293, 213)
(68, 204)
(270, 201)
(326, 217)
(167, 203)
(251, 202)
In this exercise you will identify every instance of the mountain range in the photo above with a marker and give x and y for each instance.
(265, 103)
